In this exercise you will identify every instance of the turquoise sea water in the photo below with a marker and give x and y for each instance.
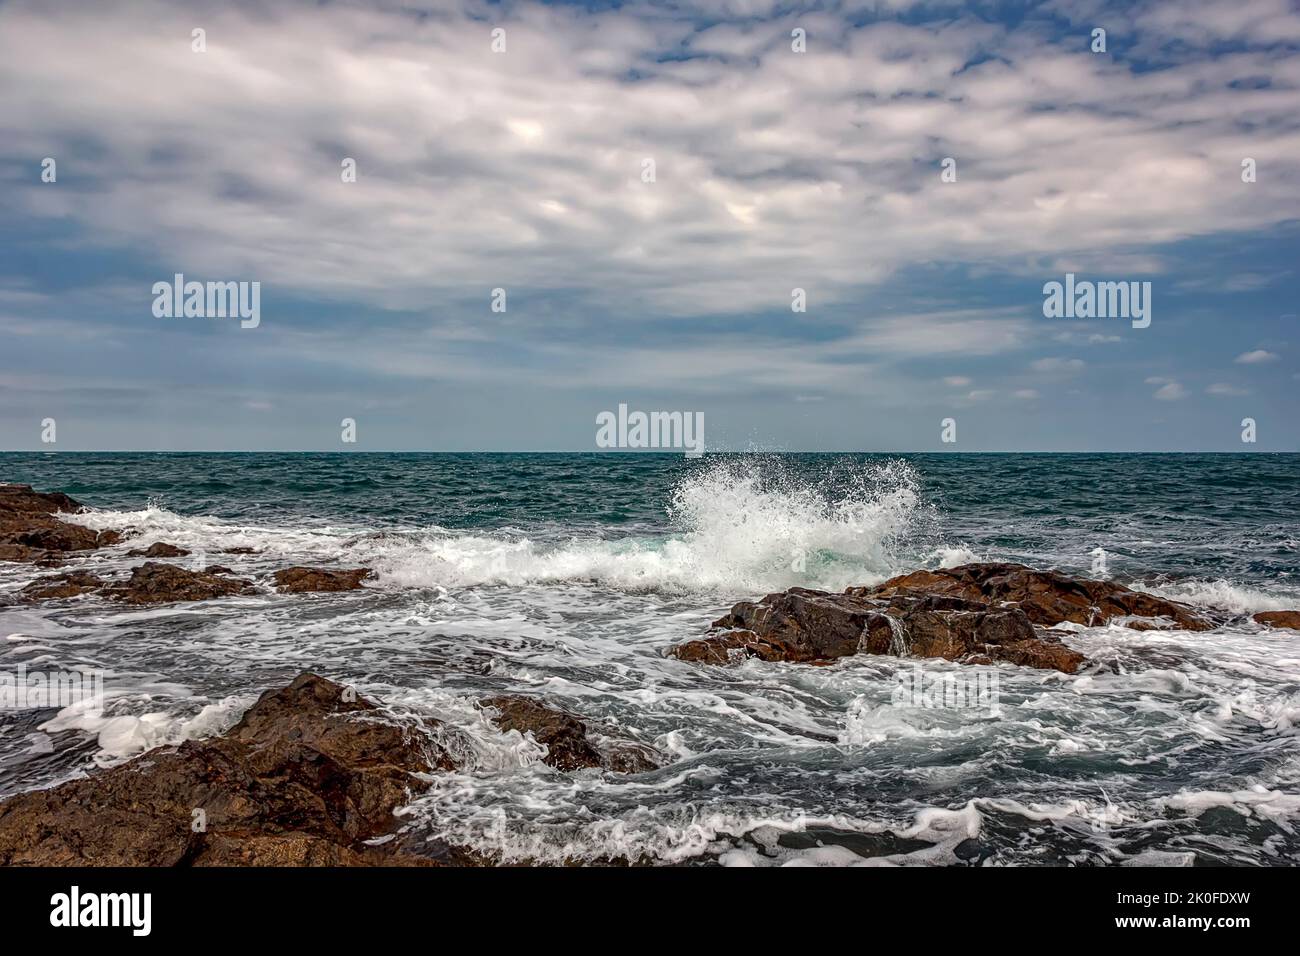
(568, 575)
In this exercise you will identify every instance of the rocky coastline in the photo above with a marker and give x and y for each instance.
(314, 774)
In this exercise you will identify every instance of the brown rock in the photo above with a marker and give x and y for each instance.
(155, 583)
(160, 549)
(21, 499)
(299, 580)
(1289, 619)
(1047, 597)
(800, 625)
(569, 744)
(304, 779)
(29, 530)
(65, 585)
(814, 627)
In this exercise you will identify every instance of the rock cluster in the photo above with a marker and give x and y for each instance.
(30, 530)
(310, 776)
(976, 613)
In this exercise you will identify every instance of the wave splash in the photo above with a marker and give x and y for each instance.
(738, 525)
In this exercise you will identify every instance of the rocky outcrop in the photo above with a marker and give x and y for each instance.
(60, 586)
(160, 549)
(156, 583)
(31, 532)
(974, 614)
(570, 745)
(299, 580)
(1289, 619)
(1047, 597)
(815, 627)
(150, 583)
(306, 778)
(21, 499)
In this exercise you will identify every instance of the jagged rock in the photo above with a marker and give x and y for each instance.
(30, 532)
(1290, 619)
(304, 779)
(65, 585)
(155, 583)
(1047, 597)
(570, 745)
(299, 580)
(21, 499)
(976, 613)
(240, 550)
(814, 627)
(160, 549)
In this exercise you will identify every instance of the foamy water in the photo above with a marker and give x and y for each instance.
(1169, 743)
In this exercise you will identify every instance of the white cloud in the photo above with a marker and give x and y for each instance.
(1224, 390)
(522, 170)
(1171, 392)
(1026, 393)
(1256, 357)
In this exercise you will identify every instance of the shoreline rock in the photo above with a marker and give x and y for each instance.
(1284, 619)
(306, 778)
(1047, 597)
(300, 580)
(31, 533)
(973, 614)
(569, 743)
(156, 583)
(160, 549)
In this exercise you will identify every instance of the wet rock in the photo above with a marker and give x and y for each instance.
(59, 586)
(1047, 597)
(1290, 619)
(300, 580)
(570, 744)
(304, 779)
(814, 627)
(160, 549)
(240, 550)
(21, 499)
(800, 625)
(155, 583)
(31, 532)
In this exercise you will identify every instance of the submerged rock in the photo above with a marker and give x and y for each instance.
(299, 580)
(304, 779)
(1288, 619)
(569, 743)
(30, 532)
(1047, 597)
(155, 583)
(160, 549)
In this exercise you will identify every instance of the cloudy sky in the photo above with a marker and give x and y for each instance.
(524, 170)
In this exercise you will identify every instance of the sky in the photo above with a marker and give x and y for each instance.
(528, 169)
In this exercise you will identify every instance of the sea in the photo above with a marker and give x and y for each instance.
(568, 576)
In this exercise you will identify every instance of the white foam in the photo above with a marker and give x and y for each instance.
(740, 527)
(1222, 594)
